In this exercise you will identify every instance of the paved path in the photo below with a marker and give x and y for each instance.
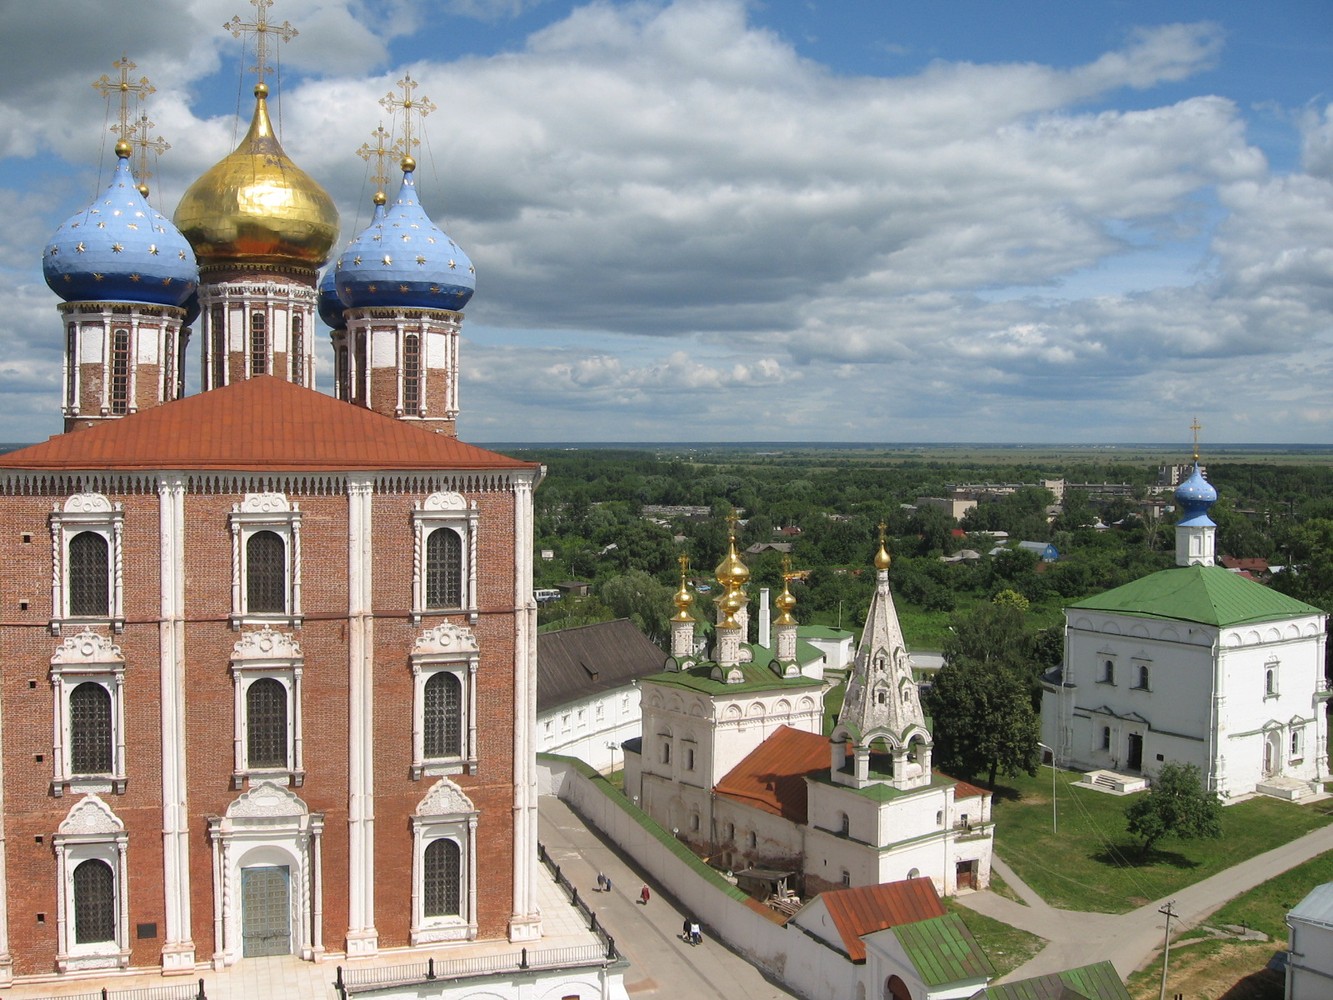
(661, 964)
(1130, 939)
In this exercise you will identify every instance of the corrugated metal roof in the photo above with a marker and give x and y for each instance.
(1090, 982)
(1209, 595)
(1316, 907)
(869, 908)
(260, 424)
(943, 950)
(772, 776)
(575, 662)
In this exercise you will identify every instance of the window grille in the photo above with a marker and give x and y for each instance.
(94, 902)
(265, 573)
(266, 724)
(441, 891)
(89, 595)
(298, 350)
(120, 371)
(258, 345)
(71, 365)
(444, 569)
(90, 737)
(218, 322)
(443, 735)
(411, 373)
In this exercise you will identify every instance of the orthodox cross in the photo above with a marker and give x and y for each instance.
(418, 106)
(382, 150)
(261, 29)
(1196, 427)
(128, 90)
(882, 528)
(144, 143)
(684, 561)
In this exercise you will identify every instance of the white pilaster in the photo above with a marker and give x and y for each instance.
(525, 922)
(362, 938)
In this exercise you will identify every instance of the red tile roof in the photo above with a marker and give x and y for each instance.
(264, 424)
(772, 776)
(869, 908)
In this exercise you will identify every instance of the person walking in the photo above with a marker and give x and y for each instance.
(601, 882)
(644, 894)
(685, 930)
(696, 937)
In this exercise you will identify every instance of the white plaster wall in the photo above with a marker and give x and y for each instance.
(586, 735)
(778, 843)
(1310, 968)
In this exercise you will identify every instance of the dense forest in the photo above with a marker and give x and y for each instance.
(591, 519)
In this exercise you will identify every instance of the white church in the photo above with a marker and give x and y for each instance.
(734, 760)
(1194, 664)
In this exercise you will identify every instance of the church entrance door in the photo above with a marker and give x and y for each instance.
(1136, 751)
(266, 912)
(965, 874)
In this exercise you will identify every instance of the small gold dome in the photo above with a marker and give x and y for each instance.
(786, 601)
(882, 559)
(257, 206)
(683, 600)
(732, 603)
(731, 572)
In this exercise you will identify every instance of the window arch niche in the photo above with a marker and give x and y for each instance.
(87, 552)
(444, 663)
(444, 555)
(444, 866)
(88, 731)
(267, 739)
(265, 560)
(92, 875)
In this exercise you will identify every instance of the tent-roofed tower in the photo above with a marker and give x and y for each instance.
(261, 228)
(881, 715)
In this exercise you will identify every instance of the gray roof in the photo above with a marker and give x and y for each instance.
(1316, 908)
(574, 663)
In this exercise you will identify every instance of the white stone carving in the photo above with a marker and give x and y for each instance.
(264, 503)
(444, 501)
(266, 644)
(445, 799)
(445, 639)
(88, 503)
(266, 800)
(90, 816)
(87, 647)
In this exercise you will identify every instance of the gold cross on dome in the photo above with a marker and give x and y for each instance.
(127, 90)
(261, 29)
(144, 144)
(418, 106)
(382, 150)
(1196, 427)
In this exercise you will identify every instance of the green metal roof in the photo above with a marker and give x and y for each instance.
(1207, 595)
(758, 677)
(1094, 982)
(943, 950)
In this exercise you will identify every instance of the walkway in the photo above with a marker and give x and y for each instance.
(1129, 940)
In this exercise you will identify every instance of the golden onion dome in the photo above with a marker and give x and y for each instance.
(731, 572)
(882, 559)
(786, 601)
(258, 207)
(683, 600)
(731, 604)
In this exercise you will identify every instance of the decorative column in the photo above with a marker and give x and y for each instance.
(525, 922)
(362, 938)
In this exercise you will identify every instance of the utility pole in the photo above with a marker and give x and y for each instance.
(1166, 944)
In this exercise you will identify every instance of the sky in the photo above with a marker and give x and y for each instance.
(773, 220)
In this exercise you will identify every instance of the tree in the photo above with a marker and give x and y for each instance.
(637, 596)
(983, 720)
(1175, 806)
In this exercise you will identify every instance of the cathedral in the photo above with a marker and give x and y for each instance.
(269, 654)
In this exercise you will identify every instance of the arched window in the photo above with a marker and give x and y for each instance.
(444, 568)
(896, 989)
(443, 716)
(71, 365)
(258, 344)
(298, 350)
(411, 373)
(340, 373)
(442, 879)
(94, 902)
(844, 824)
(1108, 672)
(90, 735)
(361, 391)
(168, 367)
(88, 576)
(265, 573)
(120, 371)
(266, 724)
(1143, 677)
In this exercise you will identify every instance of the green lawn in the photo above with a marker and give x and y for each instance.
(1264, 908)
(1092, 863)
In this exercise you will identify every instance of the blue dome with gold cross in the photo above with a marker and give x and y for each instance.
(120, 249)
(1195, 496)
(402, 259)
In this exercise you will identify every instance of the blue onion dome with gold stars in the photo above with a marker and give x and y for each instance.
(1195, 496)
(120, 249)
(257, 207)
(405, 260)
(330, 307)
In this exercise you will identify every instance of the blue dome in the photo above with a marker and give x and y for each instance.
(330, 306)
(403, 259)
(119, 249)
(1195, 496)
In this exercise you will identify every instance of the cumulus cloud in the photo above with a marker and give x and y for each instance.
(720, 238)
